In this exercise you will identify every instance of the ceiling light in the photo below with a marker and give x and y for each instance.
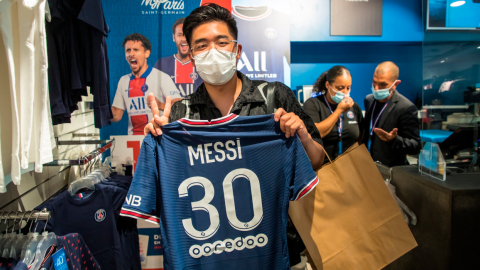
(443, 61)
(457, 3)
(478, 47)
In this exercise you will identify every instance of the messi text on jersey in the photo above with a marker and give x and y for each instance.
(205, 152)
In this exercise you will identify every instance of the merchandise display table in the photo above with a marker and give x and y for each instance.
(448, 214)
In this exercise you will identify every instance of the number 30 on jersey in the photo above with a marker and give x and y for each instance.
(204, 203)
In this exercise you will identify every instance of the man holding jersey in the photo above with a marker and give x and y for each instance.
(211, 34)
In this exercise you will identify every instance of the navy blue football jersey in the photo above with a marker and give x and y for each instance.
(221, 188)
(184, 75)
(94, 217)
(265, 36)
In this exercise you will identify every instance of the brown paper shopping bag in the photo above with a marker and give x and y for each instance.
(350, 220)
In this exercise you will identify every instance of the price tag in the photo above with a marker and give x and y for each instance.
(59, 260)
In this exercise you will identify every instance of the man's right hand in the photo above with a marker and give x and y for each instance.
(345, 104)
(157, 121)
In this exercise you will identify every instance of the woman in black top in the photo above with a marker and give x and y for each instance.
(336, 115)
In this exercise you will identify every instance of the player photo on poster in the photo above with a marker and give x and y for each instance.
(264, 32)
(140, 35)
(178, 66)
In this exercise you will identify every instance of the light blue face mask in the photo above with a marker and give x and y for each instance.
(339, 96)
(382, 94)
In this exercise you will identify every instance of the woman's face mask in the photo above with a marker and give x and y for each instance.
(339, 96)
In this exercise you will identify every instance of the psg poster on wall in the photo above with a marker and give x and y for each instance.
(265, 37)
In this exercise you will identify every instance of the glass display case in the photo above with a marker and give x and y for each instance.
(451, 84)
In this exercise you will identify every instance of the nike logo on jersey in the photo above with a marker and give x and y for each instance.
(173, 76)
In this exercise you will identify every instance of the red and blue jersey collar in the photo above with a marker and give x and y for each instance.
(144, 75)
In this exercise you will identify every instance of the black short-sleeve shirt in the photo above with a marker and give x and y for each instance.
(318, 110)
(249, 102)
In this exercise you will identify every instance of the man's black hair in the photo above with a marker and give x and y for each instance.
(330, 76)
(209, 13)
(138, 37)
(177, 22)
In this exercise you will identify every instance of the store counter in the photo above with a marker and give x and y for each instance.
(448, 214)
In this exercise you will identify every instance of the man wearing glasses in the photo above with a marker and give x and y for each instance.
(211, 33)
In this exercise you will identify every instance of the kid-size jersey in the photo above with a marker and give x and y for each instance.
(221, 190)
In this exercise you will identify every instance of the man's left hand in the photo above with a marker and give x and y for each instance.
(386, 136)
(291, 124)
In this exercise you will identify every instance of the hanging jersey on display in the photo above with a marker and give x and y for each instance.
(265, 36)
(94, 217)
(221, 188)
(77, 255)
(132, 93)
(184, 75)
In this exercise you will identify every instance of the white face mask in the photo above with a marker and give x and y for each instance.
(216, 67)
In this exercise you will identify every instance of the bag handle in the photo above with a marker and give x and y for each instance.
(355, 145)
(326, 154)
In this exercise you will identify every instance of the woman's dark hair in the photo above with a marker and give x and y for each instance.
(138, 37)
(330, 76)
(209, 13)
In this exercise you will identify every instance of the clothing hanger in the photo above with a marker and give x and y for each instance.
(86, 182)
(10, 236)
(11, 241)
(2, 236)
(99, 174)
(29, 237)
(47, 240)
(6, 236)
(1, 216)
(16, 248)
(99, 177)
(29, 255)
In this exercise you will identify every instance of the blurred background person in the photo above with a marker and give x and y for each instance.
(392, 129)
(335, 114)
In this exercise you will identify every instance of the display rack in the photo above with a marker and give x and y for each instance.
(78, 142)
(445, 107)
(18, 215)
(84, 159)
(75, 135)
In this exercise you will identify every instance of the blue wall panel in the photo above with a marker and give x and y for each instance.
(310, 21)
(310, 59)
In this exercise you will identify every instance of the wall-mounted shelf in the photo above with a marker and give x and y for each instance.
(85, 159)
(445, 107)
